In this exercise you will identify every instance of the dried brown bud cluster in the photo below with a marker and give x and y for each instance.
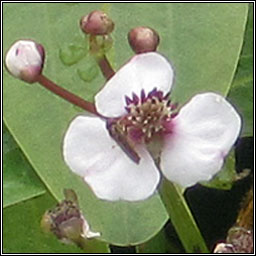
(66, 220)
(143, 39)
(239, 240)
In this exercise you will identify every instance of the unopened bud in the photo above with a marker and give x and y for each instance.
(97, 23)
(143, 39)
(239, 240)
(25, 60)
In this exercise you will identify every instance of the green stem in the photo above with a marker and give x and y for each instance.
(105, 67)
(97, 51)
(182, 218)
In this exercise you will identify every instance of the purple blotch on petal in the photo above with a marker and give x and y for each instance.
(136, 134)
(110, 122)
(168, 127)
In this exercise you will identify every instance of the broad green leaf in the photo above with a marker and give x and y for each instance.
(241, 95)
(161, 243)
(22, 232)
(203, 41)
(182, 218)
(204, 53)
(241, 91)
(20, 180)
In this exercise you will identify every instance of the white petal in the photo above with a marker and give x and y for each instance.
(203, 133)
(144, 71)
(91, 153)
(23, 55)
(87, 233)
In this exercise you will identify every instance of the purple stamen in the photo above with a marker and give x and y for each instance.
(152, 93)
(143, 96)
(174, 106)
(174, 114)
(167, 95)
(127, 109)
(135, 98)
(146, 116)
(159, 95)
(128, 100)
(153, 101)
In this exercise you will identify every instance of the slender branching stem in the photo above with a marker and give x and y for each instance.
(105, 67)
(101, 58)
(68, 96)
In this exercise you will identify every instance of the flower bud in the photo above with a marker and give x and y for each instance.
(96, 23)
(143, 39)
(241, 239)
(66, 220)
(25, 60)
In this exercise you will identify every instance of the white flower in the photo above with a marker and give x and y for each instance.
(111, 154)
(25, 59)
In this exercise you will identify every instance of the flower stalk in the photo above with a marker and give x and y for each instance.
(98, 49)
(25, 60)
(105, 67)
(68, 96)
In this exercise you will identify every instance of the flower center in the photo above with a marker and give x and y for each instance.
(146, 116)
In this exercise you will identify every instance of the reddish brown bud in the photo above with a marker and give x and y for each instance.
(143, 39)
(96, 23)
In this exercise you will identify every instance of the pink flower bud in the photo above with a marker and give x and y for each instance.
(143, 39)
(25, 60)
(97, 23)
